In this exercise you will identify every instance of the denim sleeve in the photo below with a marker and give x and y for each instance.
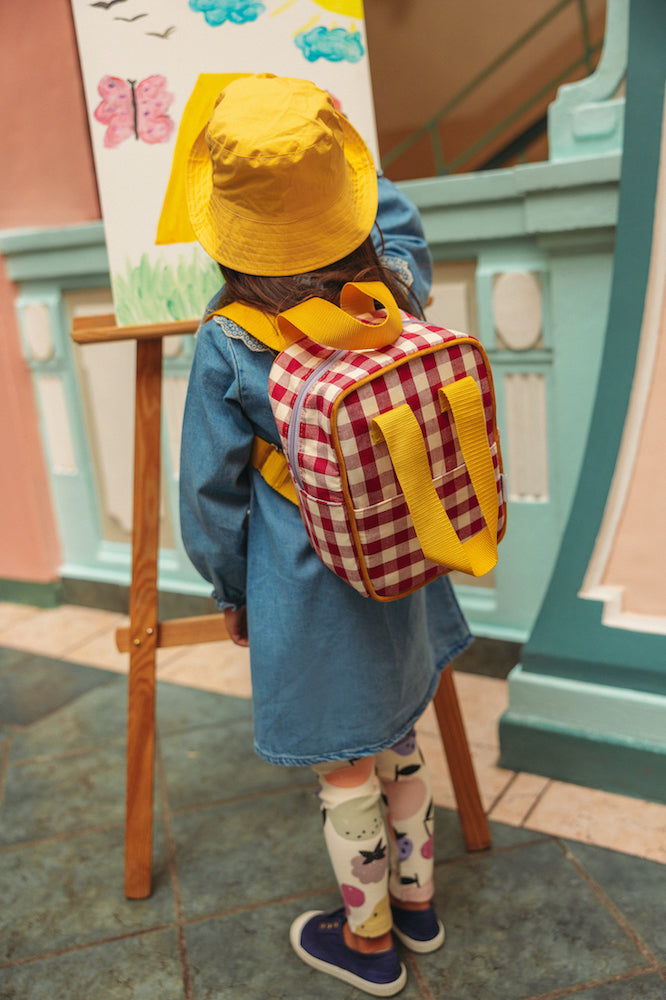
(405, 249)
(214, 480)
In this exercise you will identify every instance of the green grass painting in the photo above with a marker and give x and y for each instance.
(156, 291)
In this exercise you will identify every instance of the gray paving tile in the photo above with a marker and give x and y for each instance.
(524, 921)
(450, 843)
(100, 715)
(511, 836)
(63, 794)
(97, 717)
(32, 687)
(250, 852)
(10, 657)
(257, 961)
(218, 762)
(637, 887)
(180, 708)
(136, 968)
(647, 987)
(63, 893)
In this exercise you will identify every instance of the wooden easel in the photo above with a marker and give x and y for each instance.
(145, 634)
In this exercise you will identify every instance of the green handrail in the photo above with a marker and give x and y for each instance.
(519, 111)
(585, 25)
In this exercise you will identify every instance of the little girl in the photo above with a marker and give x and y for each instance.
(283, 194)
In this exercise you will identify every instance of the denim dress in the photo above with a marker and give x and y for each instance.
(335, 675)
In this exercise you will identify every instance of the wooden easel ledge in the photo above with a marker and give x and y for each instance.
(176, 632)
(99, 329)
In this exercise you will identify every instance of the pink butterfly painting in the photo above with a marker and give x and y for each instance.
(134, 109)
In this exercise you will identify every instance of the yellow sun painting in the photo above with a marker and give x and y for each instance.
(349, 8)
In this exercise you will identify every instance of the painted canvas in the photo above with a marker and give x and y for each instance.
(143, 63)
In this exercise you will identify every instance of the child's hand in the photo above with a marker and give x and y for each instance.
(236, 622)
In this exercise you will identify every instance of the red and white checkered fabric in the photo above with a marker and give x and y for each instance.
(350, 499)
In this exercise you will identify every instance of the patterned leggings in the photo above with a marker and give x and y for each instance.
(378, 825)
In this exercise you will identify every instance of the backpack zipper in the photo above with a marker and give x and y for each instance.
(294, 423)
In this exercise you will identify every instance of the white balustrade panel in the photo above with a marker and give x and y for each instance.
(525, 436)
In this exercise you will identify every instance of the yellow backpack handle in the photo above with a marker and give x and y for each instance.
(400, 429)
(338, 326)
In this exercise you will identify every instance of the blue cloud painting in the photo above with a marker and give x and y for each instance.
(335, 44)
(238, 11)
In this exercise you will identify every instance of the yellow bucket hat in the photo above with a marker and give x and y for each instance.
(279, 182)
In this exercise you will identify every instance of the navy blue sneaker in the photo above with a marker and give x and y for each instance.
(316, 937)
(419, 930)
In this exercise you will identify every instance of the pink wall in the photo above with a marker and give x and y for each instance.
(29, 547)
(47, 178)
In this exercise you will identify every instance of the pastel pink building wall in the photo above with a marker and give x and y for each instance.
(47, 178)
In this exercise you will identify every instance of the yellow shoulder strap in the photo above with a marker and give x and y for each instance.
(258, 323)
(271, 463)
(272, 466)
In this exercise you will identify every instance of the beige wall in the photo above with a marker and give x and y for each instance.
(628, 567)
(637, 561)
(46, 179)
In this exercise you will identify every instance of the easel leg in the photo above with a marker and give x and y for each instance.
(143, 621)
(470, 809)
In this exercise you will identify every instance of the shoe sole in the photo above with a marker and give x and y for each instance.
(422, 947)
(376, 989)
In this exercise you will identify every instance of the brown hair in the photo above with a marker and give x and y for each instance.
(275, 294)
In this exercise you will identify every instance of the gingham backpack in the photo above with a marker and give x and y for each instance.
(389, 440)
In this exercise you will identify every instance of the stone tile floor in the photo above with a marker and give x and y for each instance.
(570, 900)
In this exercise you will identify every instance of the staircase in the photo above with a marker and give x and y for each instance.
(465, 85)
